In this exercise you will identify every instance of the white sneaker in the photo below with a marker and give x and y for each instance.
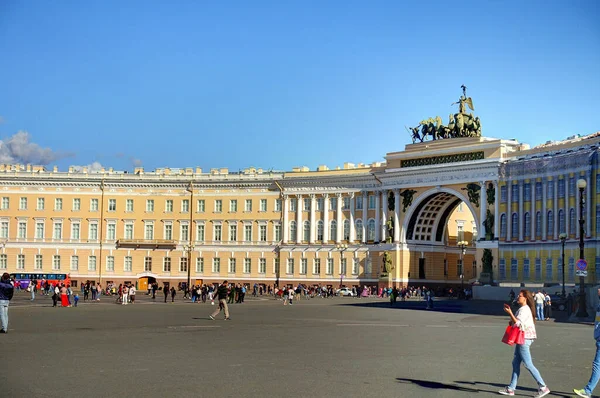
(542, 392)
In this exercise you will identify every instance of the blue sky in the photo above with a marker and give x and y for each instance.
(277, 84)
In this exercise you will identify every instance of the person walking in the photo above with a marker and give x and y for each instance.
(524, 320)
(222, 296)
(31, 288)
(166, 292)
(132, 294)
(173, 293)
(124, 294)
(547, 307)
(539, 305)
(6, 294)
(591, 385)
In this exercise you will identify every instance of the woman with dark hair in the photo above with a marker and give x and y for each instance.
(6, 294)
(524, 319)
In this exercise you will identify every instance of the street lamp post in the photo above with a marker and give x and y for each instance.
(563, 238)
(582, 311)
(342, 248)
(463, 249)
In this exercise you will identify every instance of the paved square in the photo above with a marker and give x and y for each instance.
(321, 347)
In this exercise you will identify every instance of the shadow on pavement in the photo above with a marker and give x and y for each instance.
(524, 391)
(436, 385)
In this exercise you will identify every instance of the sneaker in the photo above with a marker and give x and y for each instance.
(506, 391)
(582, 393)
(227, 319)
(211, 317)
(4, 331)
(542, 392)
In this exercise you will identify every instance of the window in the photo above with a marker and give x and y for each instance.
(184, 232)
(527, 191)
(368, 265)
(41, 203)
(343, 266)
(76, 204)
(550, 187)
(317, 266)
(277, 232)
(167, 264)
(561, 188)
(333, 203)
(290, 266)
(4, 229)
(333, 230)
(232, 232)
(20, 261)
(263, 205)
(538, 269)
(3, 261)
(185, 206)
(168, 231)
(75, 227)
(183, 264)
(169, 206)
(527, 225)
(200, 208)
(293, 204)
(149, 205)
(93, 204)
(514, 269)
(93, 232)
(247, 265)
(538, 190)
(23, 203)
(503, 194)
(359, 202)
(538, 224)
(6, 203)
(320, 202)
(92, 263)
(129, 205)
(262, 266)
(561, 220)
(502, 269)
(571, 271)
(248, 233)
(346, 230)
(549, 269)
(572, 186)
(276, 267)
(112, 205)
(359, 230)
(293, 231)
(128, 231)
(22, 230)
(503, 225)
(515, 226)
(74, 263)
(231, 267)
(514, 193)
(216, 265)
(262, 231)
(248, 205)
(200, 232)
(306, 202)
(110, 263)
(572, 221)
(277, 204)
(233, 205)
(147, 264)
(320, 230)
(218, 206)
(38, 262)
(355, 266)
(200, 265)
(550, 224)
(303, 266)
(329, 270)
(460, 231)
(127, 264)
(217, 233)
(57, 233)
(371, 230)
(525, 269)
(149, 231)
(306, 231)
(346, 203)
(39, 230)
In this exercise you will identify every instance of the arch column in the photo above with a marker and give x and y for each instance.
(286, 208)
(364, 216)
(313, 203)
(496, 210)
(396, 215)
(299, 225)
(325, 218)
(482, 210)
(377, 215)
(352, 227)
(383, 214)
(338, 218)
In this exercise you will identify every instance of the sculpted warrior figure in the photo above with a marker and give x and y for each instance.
(407, 197)
(387, 263)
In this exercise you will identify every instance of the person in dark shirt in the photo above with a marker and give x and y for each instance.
(222, 292)
(6, 293)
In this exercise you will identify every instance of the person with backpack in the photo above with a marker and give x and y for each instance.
(6, 294)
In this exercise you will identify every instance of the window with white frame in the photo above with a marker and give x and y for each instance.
(20, 261)
(74, 263)
(263, 205)
(346, 230)
(75, 231)
(276, 266)
(371, 202)
(329, 270)
(231, 265)
(233, 205)
(39, 262)
(216, 265)
(561, 221)
(112, 205)
(359, 230)
(277, 204)
(293, 231)
(200, 232)
(149, 205)
(248, 205)
(346, 203)
(93, 204)
(549, 269)
(232, 232)
(247, 265)
(538, 269)
(355, 266)
(460, 230)
(525, 269)
(92, 263)
(129, 205)
(571, 186)
(183, 264)
(40, 204)
(550, 192)
(527, 225)
(199, 265)
(316, 266)
(184, 232)
(515, 193)
(262, 265)
(147, 264)
(515, 226)
(277, 232)
(248, 232)
(572, 221)
(169, 206)
(217, 232)
(185, 206)
(218, 206)
(93, 231)
(23, 203)
(538, 224)
(290, 266)
(368, 265)
(303, 266)
(129, 231)
(306, 202)
(550, 224)
(6, 203)
(262, 232)
(320, 202)
(344, 266)
(111, 231)
(110, 263)
(333, 230)
(3, 261)
(561, 188)
(538, 190)
(333, 203)
(168, 231)
(39, 230)
(149, 231)
(76, 204)
(371, 230)
(502, 269)
(22, 230)
(359, 202)
(306, 231)
(503, 194)
(514, 269)
(200, 206)
(166, 264)
(503, 225)
(320, 230)
(57, 230)
(56, 262)
(4, 229)
(527, 191)
(293, 203)
(127, 264)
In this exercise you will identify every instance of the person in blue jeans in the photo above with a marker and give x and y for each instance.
(591, 385)
(539, 299)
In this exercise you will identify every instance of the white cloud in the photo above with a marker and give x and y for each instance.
(18, 149)
(91, 168)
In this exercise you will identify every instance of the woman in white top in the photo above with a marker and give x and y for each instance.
(524, 319)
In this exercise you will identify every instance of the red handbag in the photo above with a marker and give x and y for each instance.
(513, 335)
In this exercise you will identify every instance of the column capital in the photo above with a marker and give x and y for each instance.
(312, 195)
(338, 194)
(325, 195)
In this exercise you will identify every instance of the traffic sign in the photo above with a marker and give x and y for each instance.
(581, 273)
(581, 264)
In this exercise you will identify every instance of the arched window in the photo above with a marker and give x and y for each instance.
(572, 222)
(514, 230)
(527, 225)
(359, 229)
(371, 230)
(293, 231)
(320, 230)
(550, 224)
(538, 225)
(503, 226)
(306, 231)
(333, 230)
(561, 222)
(346, 230)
